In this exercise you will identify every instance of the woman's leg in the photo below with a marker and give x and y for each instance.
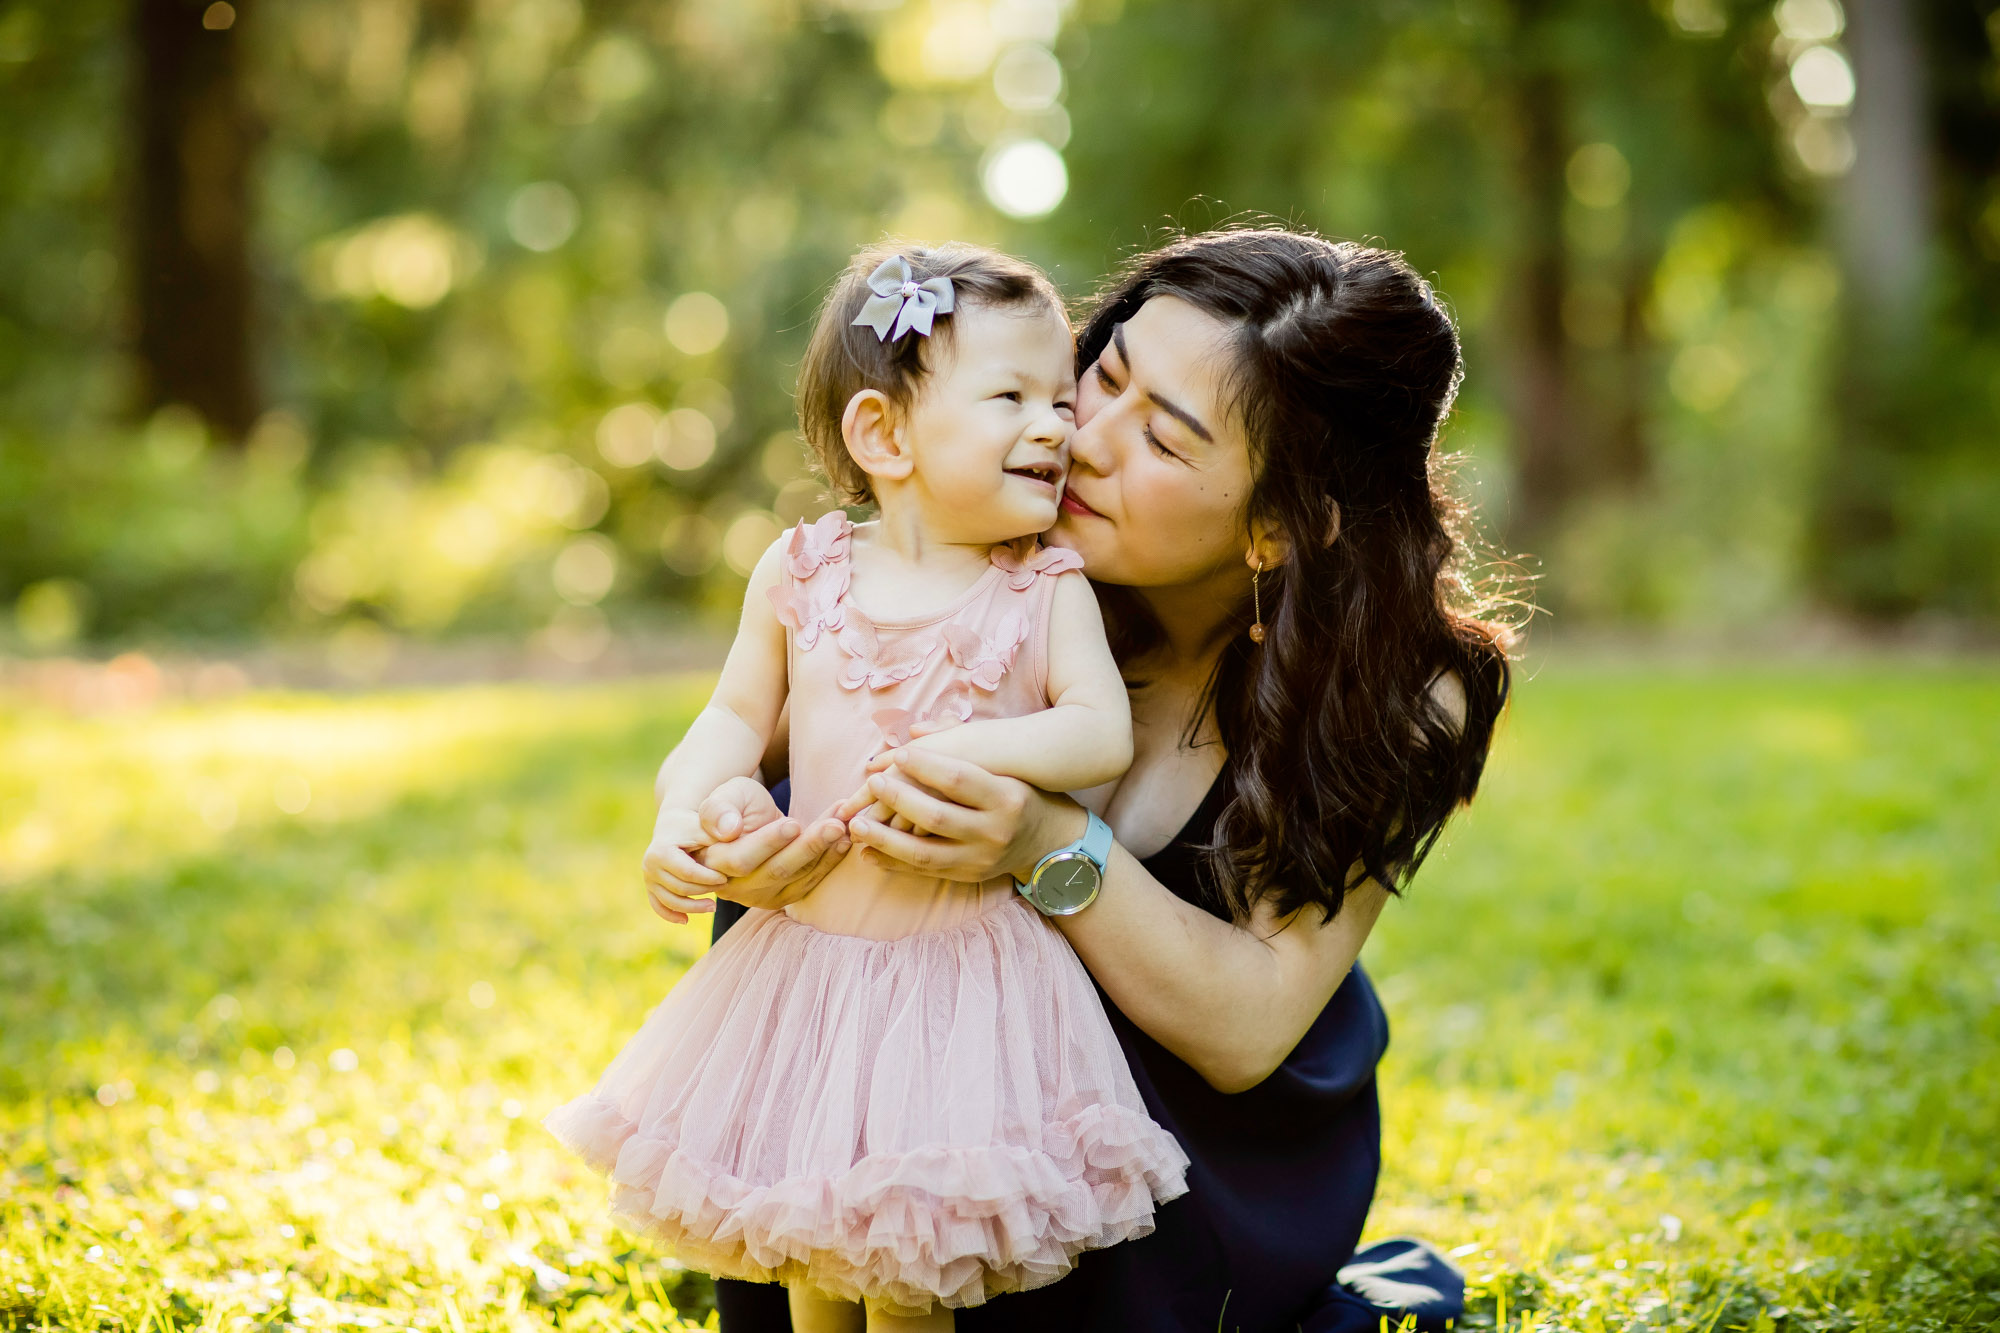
(814, 1313)
(937, 1320)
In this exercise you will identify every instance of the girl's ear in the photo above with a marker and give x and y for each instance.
(872, 429)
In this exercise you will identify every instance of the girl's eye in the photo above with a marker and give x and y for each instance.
(1104, 377)
(1012, 396)
(1154, 441)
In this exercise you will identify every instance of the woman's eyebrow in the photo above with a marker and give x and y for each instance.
(1172, 409)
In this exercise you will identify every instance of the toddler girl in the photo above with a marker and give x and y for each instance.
(899, 1090)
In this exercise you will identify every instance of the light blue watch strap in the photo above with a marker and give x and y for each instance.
(1095, 842)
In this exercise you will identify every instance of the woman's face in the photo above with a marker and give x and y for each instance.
(1159, 472)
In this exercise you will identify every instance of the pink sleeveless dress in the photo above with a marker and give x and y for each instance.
(900, 1089)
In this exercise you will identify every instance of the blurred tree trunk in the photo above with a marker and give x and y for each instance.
(1885, 233)
(190, 213)
(1627, 454)
(1547, 466)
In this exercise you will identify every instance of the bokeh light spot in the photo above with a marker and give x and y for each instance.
(542, 216)
(1810, 20)
(749, 534)
(1027, 20)
(51, 613)
(219, 17)
(585, 569)
(1824, 146)
(685, 439)
(292, 794)
(1025, 178)
(1027, 78)
(1599, 175)
(1822, 78)
(696, 324)
(410, 261)
(625, 435)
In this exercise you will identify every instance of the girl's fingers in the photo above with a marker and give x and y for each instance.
(748, 853)
(661, 896)
(737, 807)
(667, 914)
(853, 805)
(680, 863)
(826, 838)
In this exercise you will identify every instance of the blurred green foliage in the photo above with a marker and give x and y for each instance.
(533, 276)
(1694, 1014)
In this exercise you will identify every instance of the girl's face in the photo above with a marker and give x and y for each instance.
(989, 433)
(1159, 472)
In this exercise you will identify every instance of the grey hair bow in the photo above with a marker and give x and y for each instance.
(901, 302)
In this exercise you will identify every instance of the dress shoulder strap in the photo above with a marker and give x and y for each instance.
(813, 575)
(1029, 571)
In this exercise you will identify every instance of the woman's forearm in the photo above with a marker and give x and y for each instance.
(1231, 1000)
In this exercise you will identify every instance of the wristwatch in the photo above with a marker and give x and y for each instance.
(1067, 880)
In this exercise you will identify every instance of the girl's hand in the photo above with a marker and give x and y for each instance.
(677, 883)
(968, 824)
(747, 851)
(679, 876)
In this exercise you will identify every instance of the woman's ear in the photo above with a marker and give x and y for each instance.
(872, 429)
(1268, 547)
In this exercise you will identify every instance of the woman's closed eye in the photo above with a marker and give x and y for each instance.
(1159, 448)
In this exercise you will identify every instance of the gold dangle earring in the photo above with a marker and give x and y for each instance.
(1257, 602)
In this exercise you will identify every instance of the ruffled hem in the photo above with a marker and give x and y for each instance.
(870, 1118)
(935, 1226)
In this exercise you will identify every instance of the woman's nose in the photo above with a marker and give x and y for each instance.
(1088, 447)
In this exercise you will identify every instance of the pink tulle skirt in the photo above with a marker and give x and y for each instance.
(928, 1120)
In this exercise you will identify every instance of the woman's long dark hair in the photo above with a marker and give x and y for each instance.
(1343, 763)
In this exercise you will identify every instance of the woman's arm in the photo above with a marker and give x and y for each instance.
(1232, 1000)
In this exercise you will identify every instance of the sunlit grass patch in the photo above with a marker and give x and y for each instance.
(1697, 1016)
(286, 1068)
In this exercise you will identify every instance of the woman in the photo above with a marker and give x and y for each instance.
(1313, 693)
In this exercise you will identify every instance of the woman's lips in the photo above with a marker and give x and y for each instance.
(1073, 504)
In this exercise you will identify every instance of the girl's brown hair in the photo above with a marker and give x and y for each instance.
(844, 358)
(1343, 762)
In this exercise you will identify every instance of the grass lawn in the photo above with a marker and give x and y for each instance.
(1697, 1014)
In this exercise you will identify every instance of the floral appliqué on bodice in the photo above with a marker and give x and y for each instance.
(975, 644)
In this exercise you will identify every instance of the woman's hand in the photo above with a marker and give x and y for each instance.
(967, 824)
(745, 850)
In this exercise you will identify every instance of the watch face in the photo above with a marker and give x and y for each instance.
(1067, 884)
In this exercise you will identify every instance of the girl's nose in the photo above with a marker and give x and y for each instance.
(1050, 429)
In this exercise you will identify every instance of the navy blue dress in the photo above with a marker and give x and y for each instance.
(1279, 1186)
